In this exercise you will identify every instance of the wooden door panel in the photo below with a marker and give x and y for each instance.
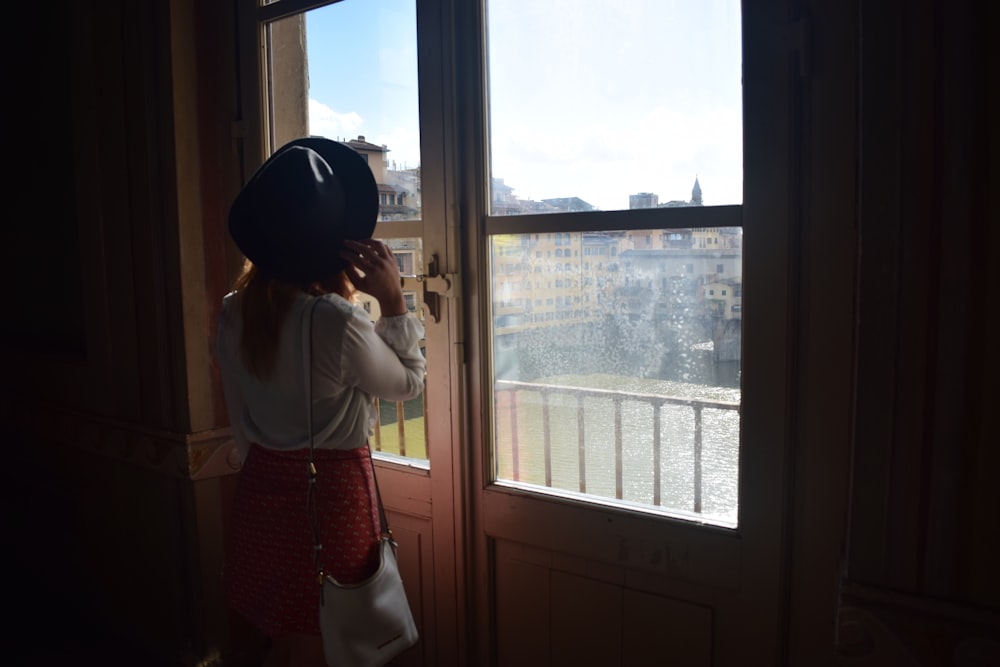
(556, 609)
(644, 544)
(586, 620)
(655, 627)
(522, 605)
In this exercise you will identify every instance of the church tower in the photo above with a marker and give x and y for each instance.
(696, 193)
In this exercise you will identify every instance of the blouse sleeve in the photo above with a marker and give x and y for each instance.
(384, 359)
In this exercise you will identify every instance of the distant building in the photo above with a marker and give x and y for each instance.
(652, 200)
(503, 201)
(643, 200)
(399, 195)
(677, 278)
(569, 204)
(398, 191)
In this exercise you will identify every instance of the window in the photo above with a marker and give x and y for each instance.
(635, 399)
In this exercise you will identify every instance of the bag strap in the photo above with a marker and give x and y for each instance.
(312, 506)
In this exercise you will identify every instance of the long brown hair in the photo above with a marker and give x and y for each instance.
(264, 303)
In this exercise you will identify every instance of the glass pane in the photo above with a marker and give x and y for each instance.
(594, 102)
(400, 429)
(616, 362)
(348, 71)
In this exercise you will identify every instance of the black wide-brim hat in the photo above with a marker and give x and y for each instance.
(292, 216)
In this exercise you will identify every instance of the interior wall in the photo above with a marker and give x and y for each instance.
(120, 466)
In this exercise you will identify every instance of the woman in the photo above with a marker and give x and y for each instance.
(304, 222)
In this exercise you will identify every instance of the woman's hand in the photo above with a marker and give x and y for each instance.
(380, 274)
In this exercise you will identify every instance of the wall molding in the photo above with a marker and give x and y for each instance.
(193, 456)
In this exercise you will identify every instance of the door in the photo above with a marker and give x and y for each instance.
(630, 232)
(595, 474)
(356, 71)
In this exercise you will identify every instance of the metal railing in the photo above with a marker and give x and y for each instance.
(400, 446)
(507, 404)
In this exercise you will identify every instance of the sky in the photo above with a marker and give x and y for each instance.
(596, 99)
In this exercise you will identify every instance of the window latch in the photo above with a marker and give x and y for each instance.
(437, 286)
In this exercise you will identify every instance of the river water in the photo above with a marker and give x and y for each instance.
(692, 374)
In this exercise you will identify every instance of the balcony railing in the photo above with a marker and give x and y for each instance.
(404, 434)
(507, 397)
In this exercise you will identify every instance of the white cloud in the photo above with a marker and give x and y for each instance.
(403, 143)
(326, 122)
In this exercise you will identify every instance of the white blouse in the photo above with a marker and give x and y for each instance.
(353, 361)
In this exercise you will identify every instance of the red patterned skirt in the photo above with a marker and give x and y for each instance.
(270, 572)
